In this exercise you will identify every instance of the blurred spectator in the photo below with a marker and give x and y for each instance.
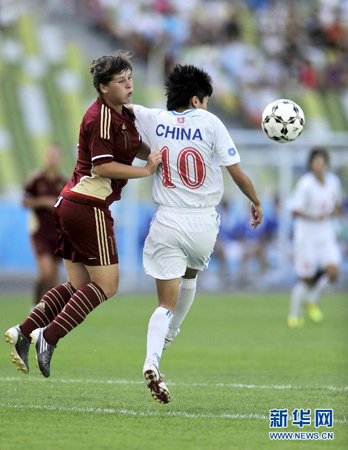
(255, 258)
(335, 71)
(10, 11)
(242, 249)
(309, 75)
(336, 34)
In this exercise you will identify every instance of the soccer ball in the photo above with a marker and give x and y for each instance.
(283, 121)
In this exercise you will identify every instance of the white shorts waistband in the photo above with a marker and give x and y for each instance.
(176, 210)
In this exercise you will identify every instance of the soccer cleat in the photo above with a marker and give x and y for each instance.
(170, 338)
(44, 351)
(315, 313)
(295, 322)
(19, 348)
(156, 385)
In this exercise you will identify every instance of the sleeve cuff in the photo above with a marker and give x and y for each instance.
(101, 159)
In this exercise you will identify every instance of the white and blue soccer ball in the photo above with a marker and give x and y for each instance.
(283, 121)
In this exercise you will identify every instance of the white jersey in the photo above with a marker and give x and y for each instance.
(316, 199)
(194, 144)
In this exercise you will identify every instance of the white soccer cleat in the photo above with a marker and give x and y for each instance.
(170, 338)
(19, 348)
(155, 384)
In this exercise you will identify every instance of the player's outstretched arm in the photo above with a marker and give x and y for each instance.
(246, 186)
(118, 171)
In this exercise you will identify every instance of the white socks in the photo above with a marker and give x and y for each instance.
(298, 295)
(318, 288)
(157, 330)
(163, 321)
(187, 292)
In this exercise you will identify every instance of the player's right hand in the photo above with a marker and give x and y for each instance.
(153, 161)
(256, 215)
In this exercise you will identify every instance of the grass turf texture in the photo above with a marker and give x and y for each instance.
(237, 340)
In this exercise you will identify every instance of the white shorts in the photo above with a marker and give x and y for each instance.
(311, 256)
(180, 238)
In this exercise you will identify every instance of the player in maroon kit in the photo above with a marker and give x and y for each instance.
(108, 144)
(40, 194)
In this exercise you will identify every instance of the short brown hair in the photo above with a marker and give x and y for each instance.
(105, 68)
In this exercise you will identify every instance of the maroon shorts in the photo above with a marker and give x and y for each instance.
(85, 232)
(44, 244)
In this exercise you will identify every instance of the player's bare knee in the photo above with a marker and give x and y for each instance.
(308, 281)
(111, 292)
(109, 287)
(77, 283)
(52, 278)
(332, 273)
(45, 274)
(167, 305)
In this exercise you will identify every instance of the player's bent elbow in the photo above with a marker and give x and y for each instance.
(101, 170)
(240, 179)
(237, 173)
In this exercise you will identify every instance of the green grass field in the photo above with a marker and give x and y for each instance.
(234, 360)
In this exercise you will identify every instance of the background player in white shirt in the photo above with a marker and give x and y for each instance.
(188, 185)
(317, 198)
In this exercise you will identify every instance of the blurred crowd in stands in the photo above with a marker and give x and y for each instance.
(253, 49)
(256, 50)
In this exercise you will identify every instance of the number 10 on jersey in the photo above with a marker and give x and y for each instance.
(190, 165)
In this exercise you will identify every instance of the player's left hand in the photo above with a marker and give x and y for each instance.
(256, 215)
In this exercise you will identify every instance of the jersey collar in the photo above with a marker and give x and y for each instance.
(183, 113)
(125, 111)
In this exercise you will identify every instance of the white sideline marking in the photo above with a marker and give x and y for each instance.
(129, 412)
(224, 385)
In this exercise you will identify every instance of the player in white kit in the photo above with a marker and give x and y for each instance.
(187, 187)
(317, 198)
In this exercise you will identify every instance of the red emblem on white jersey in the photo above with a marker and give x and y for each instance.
(180, 120)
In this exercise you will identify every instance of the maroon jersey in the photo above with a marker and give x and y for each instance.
(40, 184)
(105, 136)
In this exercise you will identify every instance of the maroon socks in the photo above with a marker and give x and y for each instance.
(48, 308)
(75, 311)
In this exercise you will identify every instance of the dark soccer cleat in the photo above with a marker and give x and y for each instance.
(44, 351)
(156, 385)
(19, 348)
